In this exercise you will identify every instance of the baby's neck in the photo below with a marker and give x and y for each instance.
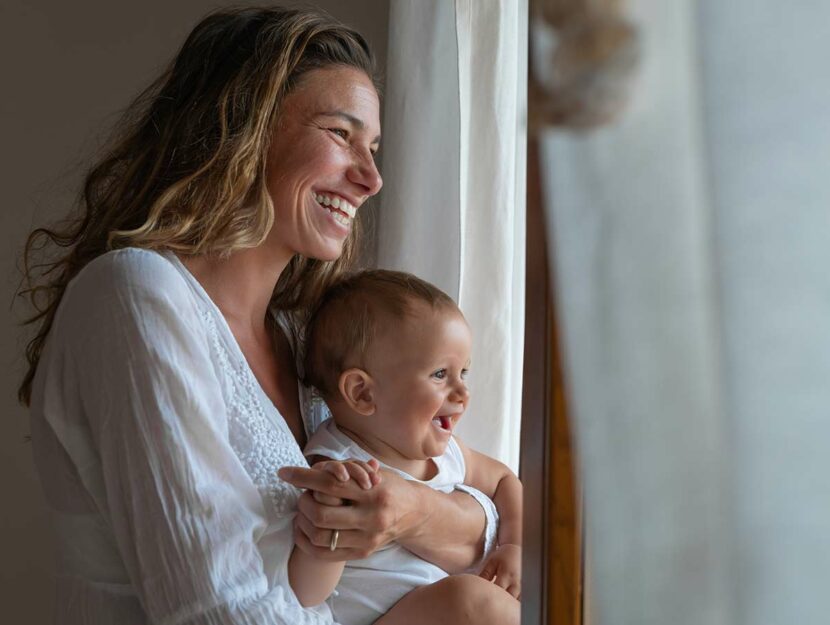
(421, 469)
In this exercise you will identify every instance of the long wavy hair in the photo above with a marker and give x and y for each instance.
(185, 170)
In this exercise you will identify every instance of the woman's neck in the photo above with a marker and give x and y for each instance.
(241, 285)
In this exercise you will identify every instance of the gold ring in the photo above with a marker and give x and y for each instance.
(335, 534)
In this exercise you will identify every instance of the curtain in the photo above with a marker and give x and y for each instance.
(452, 207)
(690, 247)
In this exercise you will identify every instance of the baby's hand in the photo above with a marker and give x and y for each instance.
(366, 474)
(504, 566)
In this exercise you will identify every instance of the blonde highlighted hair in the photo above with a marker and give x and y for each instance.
(186, 170)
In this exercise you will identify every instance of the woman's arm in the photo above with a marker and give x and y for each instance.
(151, 443)
(450, 532)
(447, 530)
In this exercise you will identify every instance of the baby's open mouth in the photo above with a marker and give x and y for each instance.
(442, 422)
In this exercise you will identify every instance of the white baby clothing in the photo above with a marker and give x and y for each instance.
(369, 587)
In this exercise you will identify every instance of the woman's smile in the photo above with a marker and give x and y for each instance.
(340, 209)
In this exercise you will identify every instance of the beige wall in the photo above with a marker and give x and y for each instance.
(67, 69)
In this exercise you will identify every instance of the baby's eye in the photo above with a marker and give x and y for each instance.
(440, 374)
(464, 373)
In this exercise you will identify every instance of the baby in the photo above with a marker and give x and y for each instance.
(389, 353)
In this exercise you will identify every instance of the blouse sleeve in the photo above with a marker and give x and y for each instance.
(185, 515)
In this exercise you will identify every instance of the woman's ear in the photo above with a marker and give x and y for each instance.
(357, 390)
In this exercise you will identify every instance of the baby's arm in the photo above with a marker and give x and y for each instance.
(499, 483)
(312, 579)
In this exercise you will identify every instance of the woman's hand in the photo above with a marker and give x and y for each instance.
(364, 473)
(369, 519)
(446, 530)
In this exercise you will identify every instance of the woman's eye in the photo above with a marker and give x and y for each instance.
(440, 374)
(340, 132)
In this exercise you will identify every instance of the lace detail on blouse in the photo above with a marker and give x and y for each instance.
(262, 444)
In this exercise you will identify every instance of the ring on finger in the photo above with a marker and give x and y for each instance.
(333, 543)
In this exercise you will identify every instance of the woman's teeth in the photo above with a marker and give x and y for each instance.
(341, 210)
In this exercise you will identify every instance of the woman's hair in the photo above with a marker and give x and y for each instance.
(350, 315)
(186, 168)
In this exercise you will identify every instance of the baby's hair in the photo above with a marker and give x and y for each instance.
(350, 314)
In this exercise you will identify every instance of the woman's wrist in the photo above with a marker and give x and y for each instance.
(410, 508)
(445, 529)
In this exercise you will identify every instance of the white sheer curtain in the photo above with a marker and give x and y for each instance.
(692, 253)
(452, 207)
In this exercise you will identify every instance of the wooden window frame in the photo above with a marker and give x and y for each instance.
(552, 568)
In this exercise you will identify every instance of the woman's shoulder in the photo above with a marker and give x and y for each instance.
(125, 282)
(128, 269)
(125, 304)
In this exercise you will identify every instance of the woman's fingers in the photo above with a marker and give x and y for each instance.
(328, 517)
(320, 537)
(304, 543)
(327, 500)
(351, 544)
(362, 527)
(321, 481)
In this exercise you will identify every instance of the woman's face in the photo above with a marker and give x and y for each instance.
(320, 166)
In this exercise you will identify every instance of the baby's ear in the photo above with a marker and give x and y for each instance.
(357, 390)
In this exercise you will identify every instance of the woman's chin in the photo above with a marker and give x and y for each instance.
(328, 252)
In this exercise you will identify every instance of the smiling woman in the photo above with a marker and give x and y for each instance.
(163, 380)
(324, 146)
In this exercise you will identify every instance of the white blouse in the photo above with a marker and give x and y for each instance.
(158, 452)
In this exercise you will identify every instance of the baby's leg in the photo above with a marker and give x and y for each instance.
(455, 600)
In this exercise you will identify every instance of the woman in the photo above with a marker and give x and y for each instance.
(162, 378)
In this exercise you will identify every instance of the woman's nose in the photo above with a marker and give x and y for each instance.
(364, 172)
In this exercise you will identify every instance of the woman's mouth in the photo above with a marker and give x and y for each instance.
(341, 210)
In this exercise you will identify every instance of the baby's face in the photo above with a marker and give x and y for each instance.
(420, 369)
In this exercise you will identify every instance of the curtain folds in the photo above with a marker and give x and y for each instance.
(453, 206)
(690, 245)
(631, 234)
